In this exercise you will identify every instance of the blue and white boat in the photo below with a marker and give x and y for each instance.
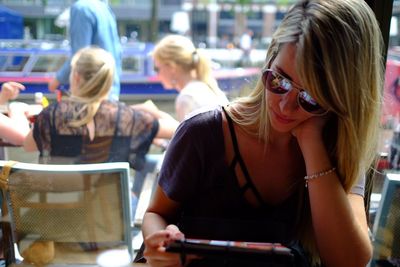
(34, 65)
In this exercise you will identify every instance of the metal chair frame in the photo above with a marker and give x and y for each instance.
(67, 178)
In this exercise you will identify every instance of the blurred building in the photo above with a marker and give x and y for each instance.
(11, 24)
(215, 23)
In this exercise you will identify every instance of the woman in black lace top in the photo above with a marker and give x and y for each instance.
(87, 127)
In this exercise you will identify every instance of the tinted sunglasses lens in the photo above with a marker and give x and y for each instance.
(309, 104)
(156, 69)
(276, 83)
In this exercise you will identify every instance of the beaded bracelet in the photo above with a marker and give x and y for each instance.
(318, 174)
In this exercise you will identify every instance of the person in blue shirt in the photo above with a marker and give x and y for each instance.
(92, 22)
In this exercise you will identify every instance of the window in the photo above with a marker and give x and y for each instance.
(14, 62)
(49, 63)
(132, 64)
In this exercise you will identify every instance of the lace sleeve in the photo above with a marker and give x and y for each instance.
(141, 127)
(42, 130)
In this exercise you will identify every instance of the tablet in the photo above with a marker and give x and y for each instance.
(233, 249)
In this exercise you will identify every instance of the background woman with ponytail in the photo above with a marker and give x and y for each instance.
(87, 127)
(182, 67)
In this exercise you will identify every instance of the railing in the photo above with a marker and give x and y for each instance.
(67, 3)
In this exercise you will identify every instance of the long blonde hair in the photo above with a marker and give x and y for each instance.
(180, 51)
(339, 48)
(95, 67)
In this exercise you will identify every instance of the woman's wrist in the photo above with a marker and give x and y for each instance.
(3, 99)
(307, 178)
(309, 144)
(315, 155)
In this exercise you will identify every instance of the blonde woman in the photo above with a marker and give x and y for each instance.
(88, 128)
(287, 163)
(181, 66)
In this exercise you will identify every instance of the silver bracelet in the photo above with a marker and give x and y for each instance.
(318, 174)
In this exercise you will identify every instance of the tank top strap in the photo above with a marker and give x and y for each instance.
(238, 159)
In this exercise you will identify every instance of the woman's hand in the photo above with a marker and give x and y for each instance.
(53, 85)
(311, 129)
(10, 90)
(156, 243)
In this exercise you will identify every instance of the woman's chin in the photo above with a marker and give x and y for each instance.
(281, 126)
(168, 87)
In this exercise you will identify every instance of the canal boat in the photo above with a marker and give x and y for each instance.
(34, 64)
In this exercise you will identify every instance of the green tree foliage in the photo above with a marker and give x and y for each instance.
(244, 2)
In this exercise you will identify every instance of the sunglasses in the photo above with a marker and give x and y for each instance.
(276, 83)
(156, 69)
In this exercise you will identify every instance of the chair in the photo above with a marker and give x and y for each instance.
(72, 212)
(386, 230)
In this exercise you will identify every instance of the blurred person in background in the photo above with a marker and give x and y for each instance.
(92, 22)
(181, 66)
(246, 44)
(87, 127)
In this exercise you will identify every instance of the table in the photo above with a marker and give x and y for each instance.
(3, 149)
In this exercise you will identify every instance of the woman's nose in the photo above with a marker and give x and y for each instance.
(288, 102)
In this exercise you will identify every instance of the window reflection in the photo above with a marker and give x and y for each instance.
(132, 64)
(15, 63)
(49, 63)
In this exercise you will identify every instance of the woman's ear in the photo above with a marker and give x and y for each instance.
(173, 68)
(74, 78)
